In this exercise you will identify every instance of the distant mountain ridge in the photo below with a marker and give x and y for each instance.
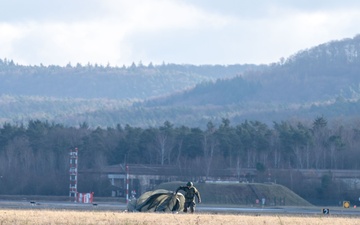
(322, 73)
(94, 81)
(323, 80)
(337, 52)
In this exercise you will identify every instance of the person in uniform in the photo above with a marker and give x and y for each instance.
(190, 193)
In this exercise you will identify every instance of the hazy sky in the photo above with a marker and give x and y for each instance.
(197, 32)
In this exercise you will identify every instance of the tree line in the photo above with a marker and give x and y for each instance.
(136, 81)
(34, 158)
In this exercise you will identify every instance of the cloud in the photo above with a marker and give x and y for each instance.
(103, 39)
(197, 32)
(23, 11)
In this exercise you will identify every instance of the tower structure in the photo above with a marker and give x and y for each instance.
(127, 184)
(73, 173)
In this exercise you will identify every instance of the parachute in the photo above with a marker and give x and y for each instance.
(159, 200)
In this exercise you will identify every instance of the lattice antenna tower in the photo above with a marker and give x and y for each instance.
(73, 173)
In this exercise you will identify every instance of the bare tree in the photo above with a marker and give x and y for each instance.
(164, 142)
(320, 133)
(209, 144)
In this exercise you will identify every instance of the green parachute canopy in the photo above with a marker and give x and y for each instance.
(158, 201)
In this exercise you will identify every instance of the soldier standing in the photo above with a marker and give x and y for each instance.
(190, 193)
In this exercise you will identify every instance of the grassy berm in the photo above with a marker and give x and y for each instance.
(243, 194)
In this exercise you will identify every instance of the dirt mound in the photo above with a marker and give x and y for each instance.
(243, 194)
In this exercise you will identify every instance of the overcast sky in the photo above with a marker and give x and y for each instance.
(196, 32)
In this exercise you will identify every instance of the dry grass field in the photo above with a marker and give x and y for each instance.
(68, 217)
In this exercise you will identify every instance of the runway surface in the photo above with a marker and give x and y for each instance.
(201, 208)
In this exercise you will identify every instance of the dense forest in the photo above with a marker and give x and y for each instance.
(34, 158)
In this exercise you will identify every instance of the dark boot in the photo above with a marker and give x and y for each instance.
(192, 209)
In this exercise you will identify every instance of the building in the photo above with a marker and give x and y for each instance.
(142, 178)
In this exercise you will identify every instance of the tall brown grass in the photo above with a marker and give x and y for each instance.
(68, 217)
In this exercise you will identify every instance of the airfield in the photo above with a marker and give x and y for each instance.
(201, 208)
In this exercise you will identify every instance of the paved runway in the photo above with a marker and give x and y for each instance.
(282, 210)
(201, 208)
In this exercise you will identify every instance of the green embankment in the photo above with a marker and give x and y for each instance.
(243, 194)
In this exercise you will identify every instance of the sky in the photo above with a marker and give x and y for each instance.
(120, 32)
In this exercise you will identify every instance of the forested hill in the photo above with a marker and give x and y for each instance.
(322, 80)
(96, 81)
(323, 73)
